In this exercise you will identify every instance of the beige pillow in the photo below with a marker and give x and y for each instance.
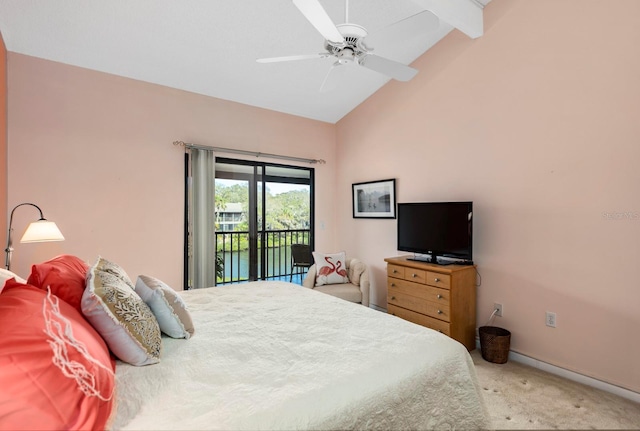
(115, 269)
(121, 317)
(330, 268)
(170, 310)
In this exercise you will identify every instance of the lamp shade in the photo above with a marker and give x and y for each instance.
(42, 231)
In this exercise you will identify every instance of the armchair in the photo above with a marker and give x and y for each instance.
(357, 290)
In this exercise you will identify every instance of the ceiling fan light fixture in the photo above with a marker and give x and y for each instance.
(346, 56)
(345, 42)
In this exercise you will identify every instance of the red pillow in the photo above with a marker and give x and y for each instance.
(65, 275)
(56, 371)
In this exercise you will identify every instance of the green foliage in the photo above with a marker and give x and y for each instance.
(285, 211)
(289, 210)
(219, 267)
(233, 193)
(232, 242)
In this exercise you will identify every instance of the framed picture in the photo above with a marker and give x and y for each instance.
(375, 199)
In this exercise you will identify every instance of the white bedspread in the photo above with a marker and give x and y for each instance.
(272, 355)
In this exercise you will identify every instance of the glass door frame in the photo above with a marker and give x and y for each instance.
(257, 235)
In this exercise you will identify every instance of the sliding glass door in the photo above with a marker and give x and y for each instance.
(261, 209)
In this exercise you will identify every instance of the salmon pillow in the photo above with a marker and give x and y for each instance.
(56, 371)
(65, 275)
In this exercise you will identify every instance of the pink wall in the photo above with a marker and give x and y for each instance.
(95, 152)
(537, 123)
(3, 144)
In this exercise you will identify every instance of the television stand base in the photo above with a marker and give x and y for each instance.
(427, 260)
(440, 262)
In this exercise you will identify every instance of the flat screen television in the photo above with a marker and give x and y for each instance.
(436, 229)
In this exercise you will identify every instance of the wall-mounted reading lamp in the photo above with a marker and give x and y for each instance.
(40, 230)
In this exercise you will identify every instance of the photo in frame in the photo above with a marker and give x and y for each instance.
(374, 199)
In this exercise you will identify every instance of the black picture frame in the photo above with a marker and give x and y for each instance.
(374, 199)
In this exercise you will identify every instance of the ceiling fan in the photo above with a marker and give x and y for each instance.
(347, 43)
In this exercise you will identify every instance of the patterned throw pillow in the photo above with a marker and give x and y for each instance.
(168, 307)
(330, 268)
(121, 317)
(115, 269)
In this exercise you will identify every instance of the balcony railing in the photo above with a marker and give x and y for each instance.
(234, 246)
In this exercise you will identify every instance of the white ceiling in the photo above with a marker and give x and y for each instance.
(210, 47)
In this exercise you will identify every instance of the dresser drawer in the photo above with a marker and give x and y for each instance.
(417, 275)
(419, 319)
(439, 311)
(439, 280)
(411, 274)
(395, 271)
(433, 294)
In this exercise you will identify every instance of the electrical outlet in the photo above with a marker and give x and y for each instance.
(498, 307)
(551, 319)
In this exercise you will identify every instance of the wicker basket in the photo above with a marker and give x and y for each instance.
(494, 344)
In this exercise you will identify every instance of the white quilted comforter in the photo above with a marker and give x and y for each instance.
(272, 355)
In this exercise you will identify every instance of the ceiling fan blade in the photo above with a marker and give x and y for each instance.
(318, 17)
(291, 58)
(388, 67)
(415, 25)
(333, 76)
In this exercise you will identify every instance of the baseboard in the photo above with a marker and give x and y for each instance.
(571, 375)
(375, 307)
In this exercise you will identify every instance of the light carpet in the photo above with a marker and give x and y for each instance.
(522, 397)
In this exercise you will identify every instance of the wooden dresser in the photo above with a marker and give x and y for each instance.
(436, 296)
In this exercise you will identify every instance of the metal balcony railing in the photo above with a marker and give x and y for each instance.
(234, 247)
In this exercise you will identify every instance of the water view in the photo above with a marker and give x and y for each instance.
(236, 263)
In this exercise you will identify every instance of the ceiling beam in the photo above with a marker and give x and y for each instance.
(465, 15)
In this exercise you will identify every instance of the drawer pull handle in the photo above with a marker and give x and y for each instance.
(436, 279)
(395, 272)
(439, 296)
(393, 285)
(414, 275)
(439, 311)
(393, 298)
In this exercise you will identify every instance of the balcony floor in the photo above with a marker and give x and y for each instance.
(296, 279)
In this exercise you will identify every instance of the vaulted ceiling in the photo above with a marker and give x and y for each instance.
(210, 47)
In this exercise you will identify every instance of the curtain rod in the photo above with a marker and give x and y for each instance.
(248, 153)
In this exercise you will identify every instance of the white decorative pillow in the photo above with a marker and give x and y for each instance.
(5, 275)
(330, 268)
(121, 317)
(168, 307)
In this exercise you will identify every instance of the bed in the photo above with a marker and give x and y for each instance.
(273, 355)
(261, 355)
